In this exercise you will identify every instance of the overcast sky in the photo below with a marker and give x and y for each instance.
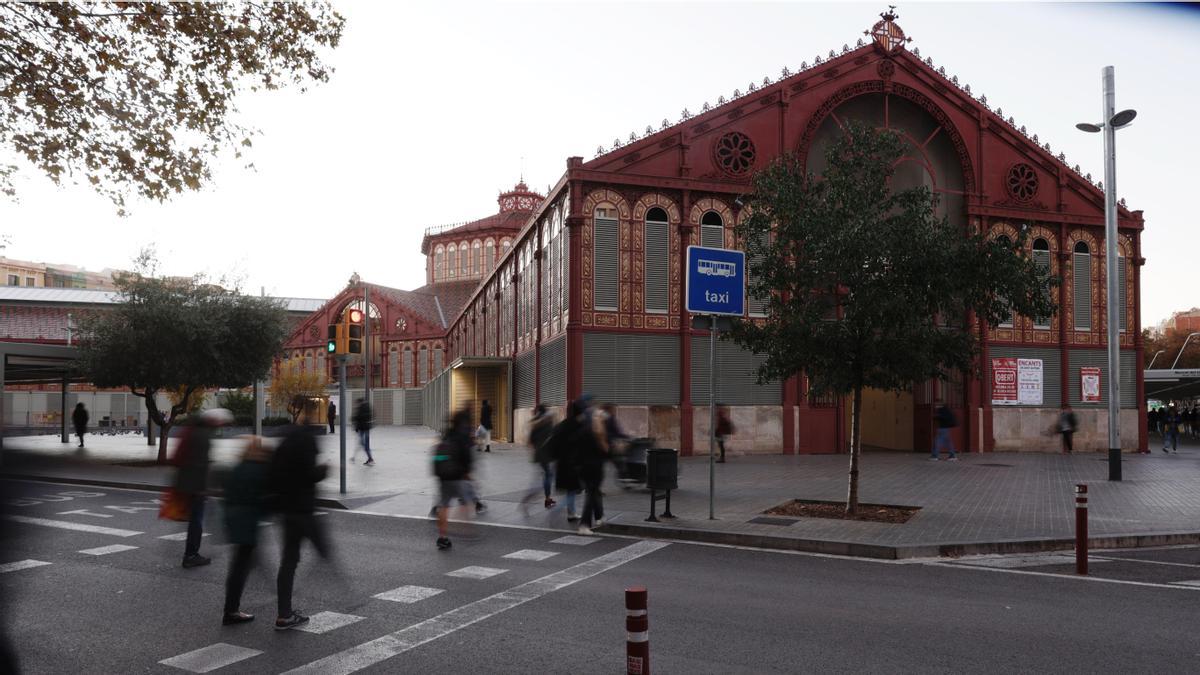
(435, 107)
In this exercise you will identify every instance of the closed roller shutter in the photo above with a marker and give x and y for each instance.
(630, 369)
(394, 369)
(1121, 292)
(554, 372)
(413, 403)
(523, 380)
(381, 406)
(437, 361)
(406, 368)
(712, 236)
(657, 266)
(736, 383)
(1041, 259)
(1098, 358)
(1051, 371)
(607, 267)
(1083, 291)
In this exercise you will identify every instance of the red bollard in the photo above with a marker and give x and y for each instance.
(1081, 533)
(637, 627)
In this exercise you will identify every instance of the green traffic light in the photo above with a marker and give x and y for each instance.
(331, 346)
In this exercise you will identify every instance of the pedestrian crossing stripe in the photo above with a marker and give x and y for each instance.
(210, 658)
(476, 572)
(323, 622)
(105, 550)
(409, 594)
(530, 554)
(21, 565)
(575, 540)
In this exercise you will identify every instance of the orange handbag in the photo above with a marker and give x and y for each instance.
(175, 506)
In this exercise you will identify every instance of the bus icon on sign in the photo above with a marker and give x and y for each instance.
(716, 268)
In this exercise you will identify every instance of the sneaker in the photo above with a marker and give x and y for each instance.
(480, 507)
(953, 459)
(488, 449)
(296, 619)
(196, 560)
(236, 617)
(584, 529)
(599, 523)
(1164, 449)
(933, 459)
(549, 502)
(369, 462)
(443, 543)
(572, 518)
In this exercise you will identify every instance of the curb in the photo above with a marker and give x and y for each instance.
(884, 552)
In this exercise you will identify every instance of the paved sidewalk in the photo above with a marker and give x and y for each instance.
(992, 502)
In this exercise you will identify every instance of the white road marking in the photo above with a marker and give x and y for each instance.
(409, 594)
(575, 540)
(21, 565)
(1056, 575)
(323, 622)
(1148, 562)
(1187, 583)
(207, 659)
(132, 509)
(105, 550)
(66, 525)
(1014, 561)
(476, 572)
(530, 554)
(383, 648)
(180, 536)
(85, 512)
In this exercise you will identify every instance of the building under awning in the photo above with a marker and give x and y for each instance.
(26, 363)
(467, 383)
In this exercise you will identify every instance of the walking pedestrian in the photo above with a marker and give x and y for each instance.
(540, 429)
(331, 415)
(191, 481)
(1152, 421)
(724, 430)
(452, 467)
(362, 425)
(245, 495)
(1171, 429)
(616, 438)
(1067, 424)
(566, 459)
(592, 448)
(294, 477)
(80, 419)
(485, 426)
(945, 421)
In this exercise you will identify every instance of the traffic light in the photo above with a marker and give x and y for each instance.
(354, 331)
(335, 333)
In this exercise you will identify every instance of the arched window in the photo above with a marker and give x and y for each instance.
(1121, 271)
(464, 259)
(547, 268)
(422, 366)
(504, 246)
(560, 262)
(1007, 320)
(452, 261)
(394, 367)
(1041, 258)
(607, 266)
(1082, 280)
(657, 263)
(712, 230)
(406, 367)
(439, 264)
(489, 255)
(476, 261)
(437, 360)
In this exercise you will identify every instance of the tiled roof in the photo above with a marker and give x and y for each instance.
(80, 296)
(512, 220)
(436, 303)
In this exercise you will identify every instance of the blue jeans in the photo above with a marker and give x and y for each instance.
(364, 439)
(195, 529)
(1173, 437)
(547, 479)
(943, 439)
(571, 501)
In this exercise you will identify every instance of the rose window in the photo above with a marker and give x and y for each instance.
(734, 153)
(1022, 182)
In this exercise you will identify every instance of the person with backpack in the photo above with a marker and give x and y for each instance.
(362, 424)
(245, 507)
(452, 467)
(540, 429)
(80, 419)
(945, 422)
(1067, 424)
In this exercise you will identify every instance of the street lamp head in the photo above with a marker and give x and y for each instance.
(1122, 118)
(1088, 127)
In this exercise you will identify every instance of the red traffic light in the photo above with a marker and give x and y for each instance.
(355, 316)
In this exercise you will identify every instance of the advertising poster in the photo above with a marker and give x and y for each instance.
(1029, 381)
(1089, 384)
(1004, 381)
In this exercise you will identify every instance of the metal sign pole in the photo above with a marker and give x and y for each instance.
(342, 399)
(712, 414)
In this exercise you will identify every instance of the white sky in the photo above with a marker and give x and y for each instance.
(434, 104)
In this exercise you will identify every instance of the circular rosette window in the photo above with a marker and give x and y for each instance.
(1022, 182)
(734, 153)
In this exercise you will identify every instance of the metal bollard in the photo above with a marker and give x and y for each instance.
(1081, 529)
(637, 628)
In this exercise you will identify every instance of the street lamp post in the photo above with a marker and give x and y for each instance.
(1112, 121)
(1154, 358)
(1185, 343)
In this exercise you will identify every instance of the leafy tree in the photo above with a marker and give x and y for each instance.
(240, 403)
(874, 290)
(292, 385)
(140, 96)
(1171, 341)
(179, 336)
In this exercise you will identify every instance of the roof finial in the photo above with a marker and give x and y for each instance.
(522, 168)
(887, 33)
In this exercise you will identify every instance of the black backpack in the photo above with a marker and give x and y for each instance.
(445, 461)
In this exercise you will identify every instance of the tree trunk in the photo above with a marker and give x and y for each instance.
(163, 434)
(855, 449)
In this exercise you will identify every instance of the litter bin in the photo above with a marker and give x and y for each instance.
(662, 469)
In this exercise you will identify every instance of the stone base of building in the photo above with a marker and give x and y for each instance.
(1036, 430)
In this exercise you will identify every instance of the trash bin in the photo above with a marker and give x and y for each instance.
(662, 469)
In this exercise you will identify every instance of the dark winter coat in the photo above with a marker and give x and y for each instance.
(245, 506)
(362, 417)
(331, 412)
(590, 451)
(945, 418)
(80, 419)
(485, 417)
(540, 431)
(724, 426)
(461, 445)
(563, 452)
(295, 473)
(1068, 422)
(191, 456)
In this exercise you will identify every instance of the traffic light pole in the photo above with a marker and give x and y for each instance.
(341, 359)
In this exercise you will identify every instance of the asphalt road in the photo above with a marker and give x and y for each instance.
(712, 609)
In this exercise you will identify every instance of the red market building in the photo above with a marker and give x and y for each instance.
(588, 298)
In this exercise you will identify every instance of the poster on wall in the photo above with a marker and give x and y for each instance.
(1016, 381)
(1089, 384)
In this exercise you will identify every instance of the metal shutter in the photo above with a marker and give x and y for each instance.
(437, 361)
(413, 402)
(381, 406)
(1083, 291)
(1098, 358)
(1042, 260)
(394, 369)
(406, 368)
(547, 269)
(607, 265)
(630, 369)
(554, 372)
(657, 268)
(736, 381)
(1121, 292)
(523, 380)
(712, 236)
(422, 365)
(1051, 371)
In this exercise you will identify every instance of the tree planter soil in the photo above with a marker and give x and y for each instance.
(875, 513)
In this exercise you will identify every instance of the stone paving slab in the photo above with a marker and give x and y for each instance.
(1007, 500)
